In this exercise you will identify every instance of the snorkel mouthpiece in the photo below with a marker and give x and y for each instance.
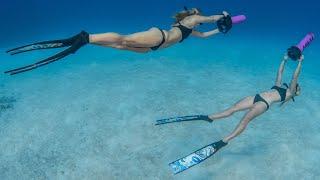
(295, 52)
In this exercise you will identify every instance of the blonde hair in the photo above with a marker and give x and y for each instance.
(183, 14)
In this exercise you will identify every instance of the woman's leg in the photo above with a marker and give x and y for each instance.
(138, 50)
(241, 105)
(106, 39)
(255, 111)
(146, 39)
(150, 38)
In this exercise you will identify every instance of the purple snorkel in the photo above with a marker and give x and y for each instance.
(295, 52)
(238, 19)
(305, 41)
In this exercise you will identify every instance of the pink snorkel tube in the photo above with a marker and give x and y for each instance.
(295, 52)
(238, 19)
(305, 41)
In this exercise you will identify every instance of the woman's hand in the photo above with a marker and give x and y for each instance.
(224, 23)
(225, 13)
(285, 57)
(301, 58)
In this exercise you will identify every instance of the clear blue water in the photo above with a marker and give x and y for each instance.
(91, 115)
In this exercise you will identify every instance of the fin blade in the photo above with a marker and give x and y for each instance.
(192, 159)
(46, 61)
(40, 45)
(183, 118)
(196, 157)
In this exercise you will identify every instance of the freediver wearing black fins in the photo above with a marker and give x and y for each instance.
(185, 23)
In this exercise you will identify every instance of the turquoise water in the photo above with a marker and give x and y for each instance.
(92, 115)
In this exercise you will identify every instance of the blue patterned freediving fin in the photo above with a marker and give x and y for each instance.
(196, 157)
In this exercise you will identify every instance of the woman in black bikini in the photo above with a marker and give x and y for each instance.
(256, 105)
(156, 38)
(141, 42)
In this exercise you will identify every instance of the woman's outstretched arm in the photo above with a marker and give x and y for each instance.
(205, 34)
(210, 19)
(295, 76)
(280, 71)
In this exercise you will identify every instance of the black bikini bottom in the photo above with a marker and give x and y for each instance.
(161, 43)
(258, 98)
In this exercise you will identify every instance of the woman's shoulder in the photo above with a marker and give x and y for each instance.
(193, 17)
(190, 20)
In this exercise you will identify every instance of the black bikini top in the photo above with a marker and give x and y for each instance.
(282, 91)
(184, 31)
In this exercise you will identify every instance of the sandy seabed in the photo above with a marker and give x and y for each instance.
(95, 119)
